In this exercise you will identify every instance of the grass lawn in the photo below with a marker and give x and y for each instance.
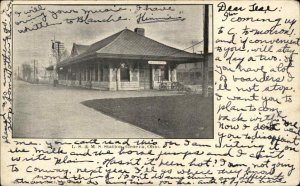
(184, 116)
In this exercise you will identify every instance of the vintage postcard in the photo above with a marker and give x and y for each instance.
(150, 93)
(109, 70)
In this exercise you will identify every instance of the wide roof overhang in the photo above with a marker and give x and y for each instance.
(141, 58)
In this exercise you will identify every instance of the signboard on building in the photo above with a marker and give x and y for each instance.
(157, 62)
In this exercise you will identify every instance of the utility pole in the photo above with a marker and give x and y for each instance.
(34, 70)
(205, 52)
(58, 52)
(57, 49)
(193, 46)
(37, 71)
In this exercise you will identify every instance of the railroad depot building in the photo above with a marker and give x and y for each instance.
(126, 60)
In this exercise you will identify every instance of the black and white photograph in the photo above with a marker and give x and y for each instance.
(112, 71)
(149, 92)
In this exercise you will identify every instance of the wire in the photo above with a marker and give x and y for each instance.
(193, 45)
(185, 48)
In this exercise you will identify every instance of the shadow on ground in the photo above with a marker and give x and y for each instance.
(184, 116)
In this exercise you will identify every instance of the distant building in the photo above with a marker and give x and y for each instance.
(192, 73)
(126, 60)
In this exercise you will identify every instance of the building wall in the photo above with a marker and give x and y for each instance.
(107, 76)
(191, 73)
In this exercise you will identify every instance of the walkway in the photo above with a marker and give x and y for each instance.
(44, 111)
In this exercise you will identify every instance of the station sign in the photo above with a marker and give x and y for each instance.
(157, 62)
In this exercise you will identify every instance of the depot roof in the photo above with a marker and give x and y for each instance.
(127, 44)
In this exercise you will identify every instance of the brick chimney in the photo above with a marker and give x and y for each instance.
(140, 31)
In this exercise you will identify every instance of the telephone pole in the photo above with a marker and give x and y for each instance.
(57, 49)
(205, 52)
(34, 70)
(193, 46)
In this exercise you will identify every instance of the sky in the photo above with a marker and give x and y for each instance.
(36, 44)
